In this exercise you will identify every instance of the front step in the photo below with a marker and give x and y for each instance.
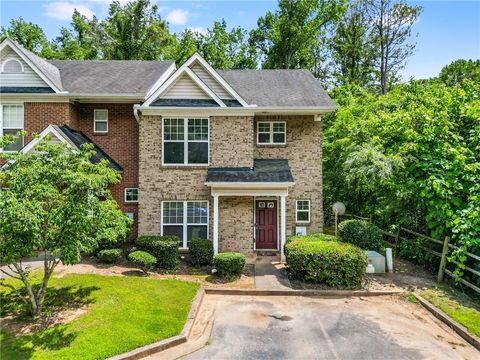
(266, 253)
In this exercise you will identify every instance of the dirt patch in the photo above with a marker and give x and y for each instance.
(184, 273)
(14, 325)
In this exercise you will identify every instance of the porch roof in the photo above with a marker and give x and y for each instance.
(274, 171)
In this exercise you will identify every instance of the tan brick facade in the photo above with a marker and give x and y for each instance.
(232, 143)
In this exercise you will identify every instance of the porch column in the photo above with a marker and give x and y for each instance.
(215, 224)
(283, 227)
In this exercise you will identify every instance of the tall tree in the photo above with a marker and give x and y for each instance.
(135, 31)
(290, 37)
(30, 36)
(392, 28)
(461, 70)
(353, 48)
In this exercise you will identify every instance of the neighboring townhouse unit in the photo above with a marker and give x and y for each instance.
(230, 155)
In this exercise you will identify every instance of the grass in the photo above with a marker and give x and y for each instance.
(457, 305)
(123, 313)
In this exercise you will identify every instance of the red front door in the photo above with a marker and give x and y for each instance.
(266, 224)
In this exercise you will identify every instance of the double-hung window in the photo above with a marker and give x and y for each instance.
(271, 133)
(185, 219)
(11, 122)
(131, 195)
(302, 211)
(100, 121)
(185, 141)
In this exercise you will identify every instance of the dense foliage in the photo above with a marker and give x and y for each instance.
(326, 261)
(110, 255)
(411, 156)
(58, 201)
(143, 260)
(163, 248)
(414, 250)
(361, 233)
(200, 251)
(229, 264)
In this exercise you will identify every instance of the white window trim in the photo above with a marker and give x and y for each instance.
(95, 121)
(1, 125)
(7, 61)
(185, 224)
(185, 141)
(125, 195)
(271, 143)
(297, 210)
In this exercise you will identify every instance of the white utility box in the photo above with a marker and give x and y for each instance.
(377, 260)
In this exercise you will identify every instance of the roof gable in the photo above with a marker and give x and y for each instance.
(195, 75)
(37, 71)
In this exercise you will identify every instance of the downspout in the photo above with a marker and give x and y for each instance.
(135, 112)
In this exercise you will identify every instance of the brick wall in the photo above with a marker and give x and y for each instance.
(121, 143)
(235, 224)
(37, 116)
(304, 153)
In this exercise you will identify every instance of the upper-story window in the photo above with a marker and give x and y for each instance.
(100, 121)
(271, 133)
(11, 122)
(302, 211)
(12, 66)
(185, 141)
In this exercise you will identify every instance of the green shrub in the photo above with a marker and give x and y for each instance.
(164, 248)
(143, 260)
(325, 261)
(229, 264)
(414, 250)
(362, 234)
(200, 251)
(309, 237)
(110, 255)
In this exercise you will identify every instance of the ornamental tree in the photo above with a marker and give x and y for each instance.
(56, 201)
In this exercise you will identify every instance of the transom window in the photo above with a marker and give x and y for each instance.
(100, 121)
(185, 141)
(11, 122)
(302, 210)
(185, 219)
(131, 194)
(271, 132)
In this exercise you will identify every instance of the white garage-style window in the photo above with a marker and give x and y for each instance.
(302, 211)
(185, 219)
(100, 121)
(185, 141)
(271, 133)
(131, 195)
(11, 122)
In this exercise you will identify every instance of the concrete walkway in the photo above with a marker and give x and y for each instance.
(270, 274)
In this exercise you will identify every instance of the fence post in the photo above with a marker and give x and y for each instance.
(443, 260)
(397, 239)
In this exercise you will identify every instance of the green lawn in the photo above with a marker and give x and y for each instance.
(123, 313)
(457, 305)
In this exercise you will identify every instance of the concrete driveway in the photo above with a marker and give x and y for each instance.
(387, 327)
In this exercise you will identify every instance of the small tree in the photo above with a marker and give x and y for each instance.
(54, 199)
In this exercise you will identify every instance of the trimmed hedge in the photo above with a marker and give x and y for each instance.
(362, 234)
(142, 260)
(200, 251)
(164, 248)
(110, 255)
(229, 264)
(321, 259)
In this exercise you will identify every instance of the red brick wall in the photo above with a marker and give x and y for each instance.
(121, 143)
(37, 116)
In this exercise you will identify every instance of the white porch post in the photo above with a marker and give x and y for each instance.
(215, 224)
(283, 227)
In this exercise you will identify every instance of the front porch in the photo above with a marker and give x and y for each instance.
(249, 207)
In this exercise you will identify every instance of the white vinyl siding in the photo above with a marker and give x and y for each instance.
(28, 78)
(185, 88)
(100, 121)
(213, 84)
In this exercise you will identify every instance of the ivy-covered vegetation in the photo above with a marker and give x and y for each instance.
(410, 157)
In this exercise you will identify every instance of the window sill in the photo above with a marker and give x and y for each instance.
(185, 167)
(95, 133)
(272, 145)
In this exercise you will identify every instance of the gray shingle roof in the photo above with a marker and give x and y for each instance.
(78, 139)
(278, 87)
(264, 170)
(110, 76)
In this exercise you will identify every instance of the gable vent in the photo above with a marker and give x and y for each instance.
(12, 66)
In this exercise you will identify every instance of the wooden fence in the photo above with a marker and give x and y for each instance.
(446, 247)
